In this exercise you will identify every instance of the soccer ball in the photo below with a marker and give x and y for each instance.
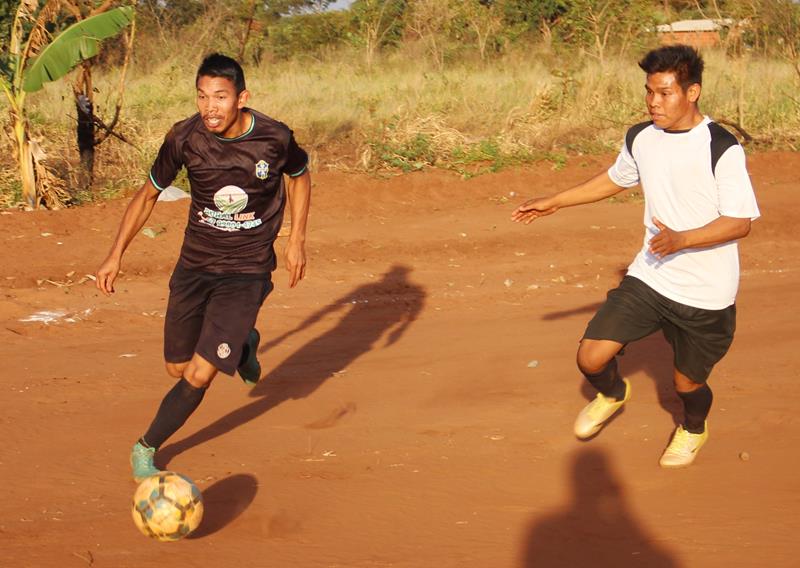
(167, 506)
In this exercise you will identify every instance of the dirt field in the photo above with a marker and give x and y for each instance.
(418, 394)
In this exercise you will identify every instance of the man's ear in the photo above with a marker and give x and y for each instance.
(244, 96)
(693, 92)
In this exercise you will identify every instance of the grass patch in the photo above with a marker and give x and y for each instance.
(404, 115)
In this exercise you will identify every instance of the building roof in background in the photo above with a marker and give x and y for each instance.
(694, 26)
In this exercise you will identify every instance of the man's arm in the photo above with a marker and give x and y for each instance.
(720, 230)
(299, 193)
(136, 215)
(597, 188)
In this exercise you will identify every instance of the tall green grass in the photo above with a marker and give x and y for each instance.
(404, 115)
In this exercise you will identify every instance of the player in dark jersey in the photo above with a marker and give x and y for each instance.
(698, 203)
(236, 159)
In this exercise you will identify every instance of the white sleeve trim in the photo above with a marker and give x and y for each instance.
(301, 172)
(155, 183)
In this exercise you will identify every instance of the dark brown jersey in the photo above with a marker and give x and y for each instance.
(237, 189)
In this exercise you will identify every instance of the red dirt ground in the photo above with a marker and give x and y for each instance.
(399, 421)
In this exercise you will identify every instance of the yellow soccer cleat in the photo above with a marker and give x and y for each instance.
(683, 448)
(597, 412)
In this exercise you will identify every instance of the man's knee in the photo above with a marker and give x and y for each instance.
(175, 370)
(199, 372)
(593, 356)
(684, 383)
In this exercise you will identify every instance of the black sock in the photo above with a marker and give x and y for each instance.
(696, 405)
(175, 409)
(608, 381)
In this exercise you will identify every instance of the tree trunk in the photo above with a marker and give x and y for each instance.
(84, 106)
(247, 29)
(25, 161)
(85, 132)
(22, 150)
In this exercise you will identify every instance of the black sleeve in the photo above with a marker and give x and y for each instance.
(633, 132)
(168, 162)
(721, 140)
(296, 158)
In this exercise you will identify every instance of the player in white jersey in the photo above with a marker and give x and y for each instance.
(698, 203)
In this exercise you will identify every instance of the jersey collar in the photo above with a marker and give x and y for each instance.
(244, 134)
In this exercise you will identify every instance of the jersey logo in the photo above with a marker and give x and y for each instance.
(230, 202)
(230, 199)
(262, 169)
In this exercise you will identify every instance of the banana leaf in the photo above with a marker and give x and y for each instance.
(78, 42)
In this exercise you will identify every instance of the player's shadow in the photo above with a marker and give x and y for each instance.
(383, 308)
(596, 528)
(224, 501)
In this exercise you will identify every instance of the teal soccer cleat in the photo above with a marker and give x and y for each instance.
(142, 462)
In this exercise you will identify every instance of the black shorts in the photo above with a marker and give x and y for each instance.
(699, 338)
(211, 315)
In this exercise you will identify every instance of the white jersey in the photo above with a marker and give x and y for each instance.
(689, 178)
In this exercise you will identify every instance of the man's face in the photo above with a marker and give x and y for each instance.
(218, 103)
(670, 107)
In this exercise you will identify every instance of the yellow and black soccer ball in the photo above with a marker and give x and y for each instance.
(167, 506)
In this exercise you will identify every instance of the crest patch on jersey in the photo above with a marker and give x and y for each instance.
(262, 169)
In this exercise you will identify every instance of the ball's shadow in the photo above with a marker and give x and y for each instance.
(224, 501)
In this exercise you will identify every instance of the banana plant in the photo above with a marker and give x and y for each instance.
(35, 58)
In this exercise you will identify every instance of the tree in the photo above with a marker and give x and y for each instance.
(432, 22)
(594, 25)
(484, 18)
(33, 59)
(782, 19)
(521, 16)
(379, 23)
(256, 15)
(83, 92)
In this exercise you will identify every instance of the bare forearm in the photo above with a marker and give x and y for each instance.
(596, 189)
(720, 230)
(299, 191)
(136, 215)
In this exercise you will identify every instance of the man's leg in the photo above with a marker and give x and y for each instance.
(176, 407)
(700, 339)
(598, 362)
(628, 314)
(249, 368)
(692, 434)
(697, 399)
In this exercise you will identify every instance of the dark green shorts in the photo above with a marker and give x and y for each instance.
(699, 338)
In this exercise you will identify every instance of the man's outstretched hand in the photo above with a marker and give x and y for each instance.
(533, 209)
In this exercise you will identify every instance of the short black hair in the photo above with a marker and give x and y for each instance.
(682, 60)
(218, 65)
